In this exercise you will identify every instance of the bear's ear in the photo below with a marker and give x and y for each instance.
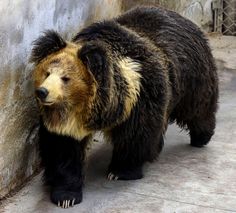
(94, 56)
(45, 45)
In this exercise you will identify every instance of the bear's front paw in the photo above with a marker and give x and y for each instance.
(66, 199)
(125, 174)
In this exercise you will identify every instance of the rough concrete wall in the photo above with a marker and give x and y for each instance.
(199, 11)
(21, 22)
(170, 4)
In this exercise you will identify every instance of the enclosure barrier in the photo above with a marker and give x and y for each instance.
(224, 15)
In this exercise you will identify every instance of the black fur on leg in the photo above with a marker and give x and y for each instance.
(127, 165)
(62, 159)
(133, 146)
(201, 130)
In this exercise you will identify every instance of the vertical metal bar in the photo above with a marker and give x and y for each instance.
(217, 7)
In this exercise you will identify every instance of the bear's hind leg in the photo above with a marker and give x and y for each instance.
(201, 130)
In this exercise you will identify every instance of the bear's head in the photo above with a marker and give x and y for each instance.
(65, 85)
(82, 86)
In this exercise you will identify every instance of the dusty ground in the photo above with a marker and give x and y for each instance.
(184, 179)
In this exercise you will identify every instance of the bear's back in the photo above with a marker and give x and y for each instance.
(177, 36)
(174, 40)
(192, 66)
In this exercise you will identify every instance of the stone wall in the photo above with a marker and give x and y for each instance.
(199, 11)
(21, 22)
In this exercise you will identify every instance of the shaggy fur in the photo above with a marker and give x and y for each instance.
(128, 77)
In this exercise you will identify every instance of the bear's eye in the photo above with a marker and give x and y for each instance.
(65, 79)
(47, 74)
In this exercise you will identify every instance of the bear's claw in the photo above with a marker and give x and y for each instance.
(66, 203)
(125, 174)
(111, 176)
(66, 199)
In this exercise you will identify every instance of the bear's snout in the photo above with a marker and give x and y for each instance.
(41, 93)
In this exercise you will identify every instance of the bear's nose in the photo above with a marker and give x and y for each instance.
(41, 93)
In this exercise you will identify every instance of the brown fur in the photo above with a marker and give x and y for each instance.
(72, 100)
(72, 103)
(129, 77)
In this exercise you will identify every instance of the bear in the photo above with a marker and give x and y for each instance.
(128, 77)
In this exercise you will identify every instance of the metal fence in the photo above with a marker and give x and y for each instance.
(224, 15)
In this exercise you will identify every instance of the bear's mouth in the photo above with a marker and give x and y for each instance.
(45, 103)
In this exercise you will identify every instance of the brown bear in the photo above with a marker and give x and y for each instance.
(127, 77)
